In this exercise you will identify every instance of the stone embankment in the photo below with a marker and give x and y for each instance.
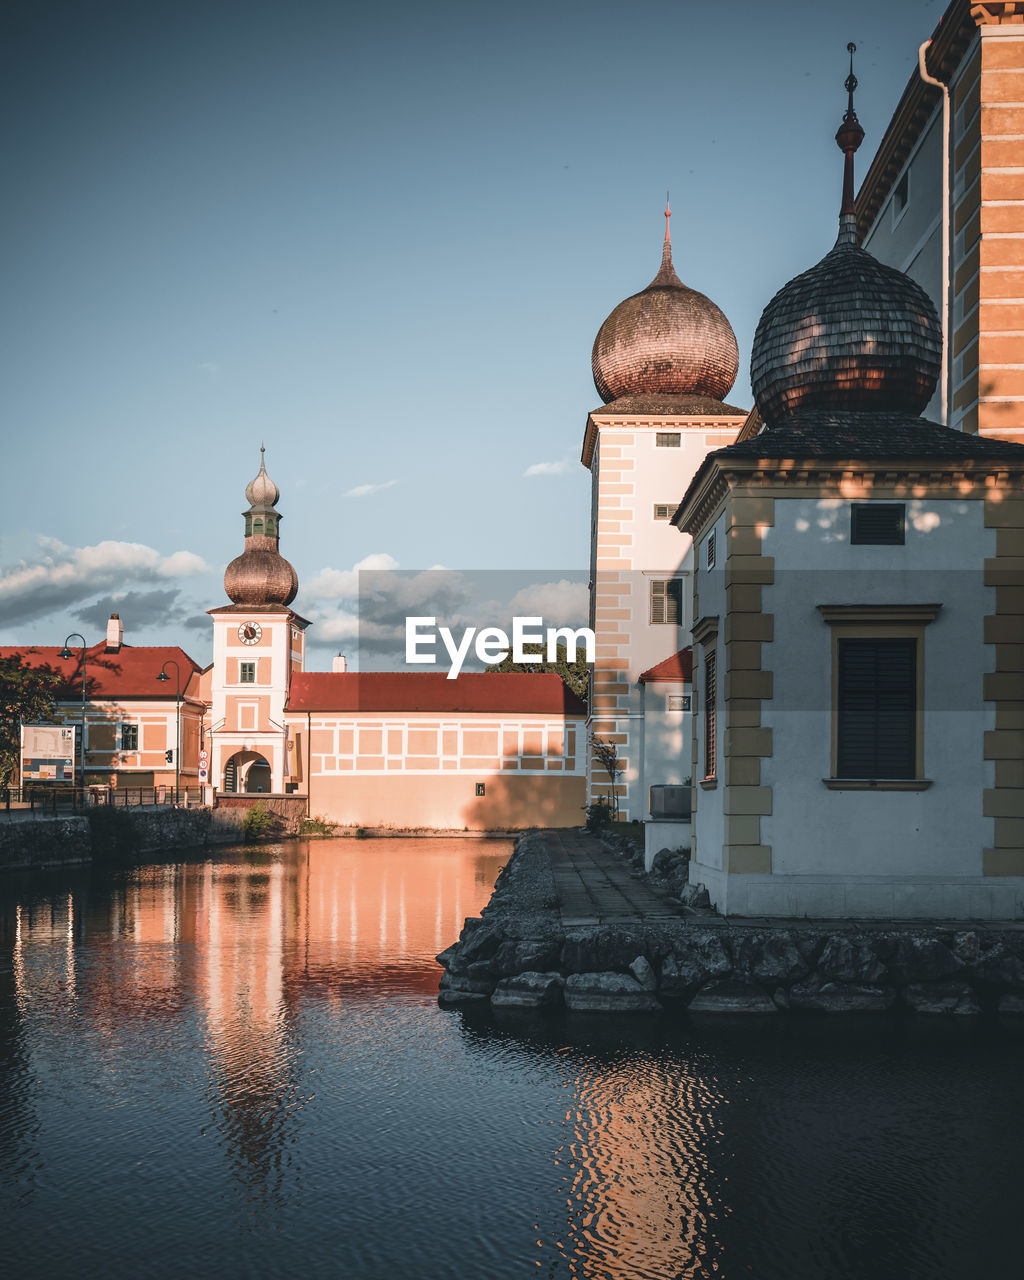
(31, 840)
(522, 954)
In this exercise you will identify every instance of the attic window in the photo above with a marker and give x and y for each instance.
(900, 197)
(667, 439)
(663, 511)
(878, 523)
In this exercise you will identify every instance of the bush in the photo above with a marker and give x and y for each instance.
(257, 822)
(316, 827)
(599, 815)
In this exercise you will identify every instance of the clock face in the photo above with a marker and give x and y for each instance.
(250, 632)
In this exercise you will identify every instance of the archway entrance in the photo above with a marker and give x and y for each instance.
(247, 771)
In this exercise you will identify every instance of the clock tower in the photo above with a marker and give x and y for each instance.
(258, 642)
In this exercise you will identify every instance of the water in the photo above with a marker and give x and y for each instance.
(236, 1066)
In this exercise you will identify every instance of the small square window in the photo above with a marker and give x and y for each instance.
(247, 673)
(663, 511)
(481, 788)
(129, 737)
(667, 439)
(878, 524)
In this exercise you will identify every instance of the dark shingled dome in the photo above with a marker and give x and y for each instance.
(666, 340)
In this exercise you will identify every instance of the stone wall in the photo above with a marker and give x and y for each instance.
(288, 810)
(517, 954)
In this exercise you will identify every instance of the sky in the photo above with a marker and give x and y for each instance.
(380, 241)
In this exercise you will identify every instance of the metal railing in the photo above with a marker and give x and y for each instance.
(49, 799)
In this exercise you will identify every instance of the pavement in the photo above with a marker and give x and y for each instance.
(594, 887)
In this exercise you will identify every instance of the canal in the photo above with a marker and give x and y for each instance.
(236, 1066)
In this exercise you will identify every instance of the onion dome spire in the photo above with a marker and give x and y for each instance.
(666, 340)
(851, 333)
(261, 575)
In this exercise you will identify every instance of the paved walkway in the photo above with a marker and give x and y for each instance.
(594, 887)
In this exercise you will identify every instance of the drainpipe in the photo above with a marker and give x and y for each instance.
(947, 316)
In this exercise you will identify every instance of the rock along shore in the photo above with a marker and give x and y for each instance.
(518, 954)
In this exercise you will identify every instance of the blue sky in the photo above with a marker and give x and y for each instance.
(380, 241)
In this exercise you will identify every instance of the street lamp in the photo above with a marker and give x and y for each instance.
(66, 653)
(177, 719)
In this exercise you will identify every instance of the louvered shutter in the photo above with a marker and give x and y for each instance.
(710, 718)
(877, 708)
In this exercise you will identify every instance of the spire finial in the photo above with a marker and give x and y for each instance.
(667, 272)
(668, 214)
(849, 136)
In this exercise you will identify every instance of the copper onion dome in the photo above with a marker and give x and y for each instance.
(666, 340)
(850, 333)
(261, 575)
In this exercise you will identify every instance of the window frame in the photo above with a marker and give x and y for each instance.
(244, 667)
(863, 541)
(668, 439)
(129, 731)
(878, 622)
(666, 595)
(705, 633)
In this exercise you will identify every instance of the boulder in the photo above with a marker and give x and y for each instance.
(941, 997)
(850, 961)
(840, 997)
(967, 946)
(1000, 967)
(922, 960)
(704, 959)
(607, 993)
(644, 974)
(770, 957)
(480, 940)
(661, 862)
(461, 999)
(696, 897)
(522, 955)
(731, 996)
(601, 949)
(528, 991)
(449, 956)
(470, 986)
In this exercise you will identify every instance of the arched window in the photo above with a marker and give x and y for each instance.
(257, 525)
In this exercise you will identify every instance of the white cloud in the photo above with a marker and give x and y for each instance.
(547, 468)
(560, 604)
(364, 490)
(66, 577)
(209, 366)
(343, 584)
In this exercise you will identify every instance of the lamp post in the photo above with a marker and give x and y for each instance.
(66, 653)
(177, 719)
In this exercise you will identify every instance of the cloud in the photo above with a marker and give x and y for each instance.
(209, 366)
(343, 584)
(67, 578)
(364, 490)
(547, 468)
(560, 604)
(137, 609)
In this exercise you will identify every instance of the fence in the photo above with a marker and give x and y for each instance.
(44, 799)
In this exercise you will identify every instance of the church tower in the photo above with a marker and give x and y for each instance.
(258, 643)
(663, 362)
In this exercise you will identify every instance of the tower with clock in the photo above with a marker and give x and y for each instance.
(258, 643)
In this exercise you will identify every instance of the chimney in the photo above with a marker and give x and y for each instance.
(115, 633)
(340, 663)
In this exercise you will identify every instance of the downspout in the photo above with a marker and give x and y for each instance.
(947, 316)
(309, 780)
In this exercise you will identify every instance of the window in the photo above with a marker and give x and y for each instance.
(129, 737)
(878, 523)
(900, 197)
(878, 695)
(667, 439)
(678, 702)
(876, 707)
(247, 673)
(663, 511)
(667, 601)
(710, 714)
(711, 549)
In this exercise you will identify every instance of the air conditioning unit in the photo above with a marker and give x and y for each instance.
(670, 802)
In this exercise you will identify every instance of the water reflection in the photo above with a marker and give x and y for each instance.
(250, 1045)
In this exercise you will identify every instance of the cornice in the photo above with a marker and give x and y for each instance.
(656, 422)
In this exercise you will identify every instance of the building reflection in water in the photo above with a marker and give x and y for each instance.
(243, 944)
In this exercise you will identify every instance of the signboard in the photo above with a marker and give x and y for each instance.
(47, 753)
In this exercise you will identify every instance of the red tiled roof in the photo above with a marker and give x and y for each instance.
(131, 672)
(431, 691)
(678, 667)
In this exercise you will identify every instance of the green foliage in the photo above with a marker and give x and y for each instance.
(607, 756)
(112, 831)
(575, 675)
(27, 694)
(599, 815)
(257, 822)
(361, 833)
(316, 827)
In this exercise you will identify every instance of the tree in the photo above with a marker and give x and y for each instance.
(575, 675)
(607, 755)
(27, 695)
